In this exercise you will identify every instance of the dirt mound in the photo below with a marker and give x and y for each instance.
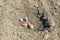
(43, 14)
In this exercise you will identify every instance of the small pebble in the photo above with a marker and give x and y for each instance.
(46, 36)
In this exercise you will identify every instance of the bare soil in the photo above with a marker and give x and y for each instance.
(43, 14)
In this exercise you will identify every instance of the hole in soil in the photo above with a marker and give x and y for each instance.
(44, 21)
(1, 34)
(13, 33)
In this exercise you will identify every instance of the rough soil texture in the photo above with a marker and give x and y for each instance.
(43, 14)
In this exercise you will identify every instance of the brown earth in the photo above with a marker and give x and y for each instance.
(43, 14)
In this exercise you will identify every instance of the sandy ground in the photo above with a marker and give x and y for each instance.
(43, 14)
